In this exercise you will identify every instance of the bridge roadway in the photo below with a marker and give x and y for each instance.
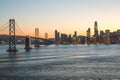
(44, 41)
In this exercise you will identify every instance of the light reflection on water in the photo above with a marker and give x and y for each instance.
(62, 62)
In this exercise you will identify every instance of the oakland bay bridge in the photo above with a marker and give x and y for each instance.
(13, 28)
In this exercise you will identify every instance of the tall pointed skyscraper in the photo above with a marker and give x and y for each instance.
(95, 29)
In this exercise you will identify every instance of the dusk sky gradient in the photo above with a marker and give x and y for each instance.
(66, 16)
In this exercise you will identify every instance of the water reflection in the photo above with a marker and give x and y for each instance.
(63, 62)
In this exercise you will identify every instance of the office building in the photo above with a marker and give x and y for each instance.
(46, 35)
(95, 29)
(64, 38)
(75, 34)
(57, 37)
(88, 33)
(107, 37)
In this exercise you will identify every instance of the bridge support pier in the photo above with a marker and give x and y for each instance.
(37, 43)
(12, 42)
(28, 43)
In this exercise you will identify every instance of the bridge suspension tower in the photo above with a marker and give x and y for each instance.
(12, 42)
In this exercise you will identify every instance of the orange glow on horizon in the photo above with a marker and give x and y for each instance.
(68, 28)
(66, 31)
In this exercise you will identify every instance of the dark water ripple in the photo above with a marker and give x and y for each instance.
(63, 62)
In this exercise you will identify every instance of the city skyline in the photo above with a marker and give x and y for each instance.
(66, 16)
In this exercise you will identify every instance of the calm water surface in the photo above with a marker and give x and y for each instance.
(62, 62)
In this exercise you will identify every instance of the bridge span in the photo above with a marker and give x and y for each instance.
(12, 38)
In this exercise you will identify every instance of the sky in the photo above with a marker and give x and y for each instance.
(66, 16)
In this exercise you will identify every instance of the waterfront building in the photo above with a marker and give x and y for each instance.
(101, 37)
(46, 35)
(64, 38)
(88, 33)
(95, 29)
(69, 38)
(107, 37)
(96, 35)
(57, 37)
(75, 34)
(88, 36)
(118, 31)
(115, 37)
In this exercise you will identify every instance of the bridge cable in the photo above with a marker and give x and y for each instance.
(4, 25)
(4, 28)
(20, 29)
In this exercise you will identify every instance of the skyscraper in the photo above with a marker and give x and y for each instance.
(88, 33)
(57, 35)
(69, 38)
(75, 34)
(64, 38)
(101, 36)
(88, 36)
(36, 37)
(95, 29)
(107, 37)
(101, 33)
(46, 35)
(36, 32)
